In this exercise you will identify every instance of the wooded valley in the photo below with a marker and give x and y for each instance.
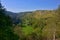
(32, 25)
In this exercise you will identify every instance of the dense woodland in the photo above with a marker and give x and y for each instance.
(35, 25)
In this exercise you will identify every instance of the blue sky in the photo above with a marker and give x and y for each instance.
(30, 5)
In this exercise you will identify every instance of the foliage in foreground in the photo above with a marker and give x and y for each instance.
(6, 32)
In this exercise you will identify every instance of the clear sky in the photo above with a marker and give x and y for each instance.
(29, 5)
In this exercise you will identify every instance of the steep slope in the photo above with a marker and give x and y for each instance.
(16, 16)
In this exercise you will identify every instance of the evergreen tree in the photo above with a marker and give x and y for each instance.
(6, 32)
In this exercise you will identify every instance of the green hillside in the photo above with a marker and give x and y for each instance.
(35, 25)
